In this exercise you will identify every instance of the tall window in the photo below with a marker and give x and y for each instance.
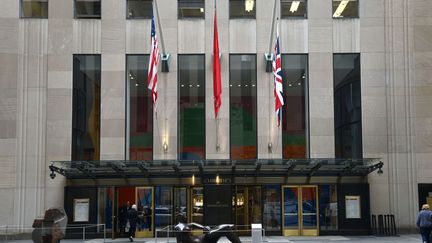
(347, 106)
(242, 8)
(139, 9)
(86, 107)
(191, 81)
(191, 9)
(293, 8)
(34, 8)
(139, 109)
(294, 115)
(90, 9)
(243, 107)
(345, 8)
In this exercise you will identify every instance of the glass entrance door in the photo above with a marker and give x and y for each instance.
(145, 203)
(300, 210)
(247, 202)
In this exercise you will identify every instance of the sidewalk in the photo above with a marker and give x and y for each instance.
(271, 239)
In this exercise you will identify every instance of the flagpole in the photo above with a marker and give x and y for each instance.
(160, 27)
(272, 27)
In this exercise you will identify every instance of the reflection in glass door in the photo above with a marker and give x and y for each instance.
(144, 198)
(197, 209)
(180, 203)
(300, 214)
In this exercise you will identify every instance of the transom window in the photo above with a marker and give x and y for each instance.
(191, 9)
(34, 8)
(242, 8)
(139, 9)
(345, 9)
(90, 9)
(293, 8)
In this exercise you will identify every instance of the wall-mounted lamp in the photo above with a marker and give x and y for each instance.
(380, 171)
(165, 147)
(217, 179)
(270, 147)
(165, 58)
(269, 59)
(193, 179)
(52, 174)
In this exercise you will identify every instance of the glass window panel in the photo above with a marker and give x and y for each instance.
(242, 8)
(347, 106)
(163, 207)
(34, 8)
(243, 107)
(105, 206)
(191, 107)
(86, 107)
(293, 8)
(309, 207)
(291, 208)
(328, 207)
(144, 204)
(139, 109)
(272, 210)
(345, 9)
(88, 9)
(191, 9)
(295, 81)
(139, 9)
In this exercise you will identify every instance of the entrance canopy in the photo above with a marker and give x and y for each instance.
(108, 169)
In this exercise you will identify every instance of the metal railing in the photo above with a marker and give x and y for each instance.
(83, 232)
(169, 233)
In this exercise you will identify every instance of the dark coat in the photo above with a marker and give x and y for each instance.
(133, 217)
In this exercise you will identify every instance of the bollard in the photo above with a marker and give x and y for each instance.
(393, 224)
(374, 226)
(380, 225)
(385, 224)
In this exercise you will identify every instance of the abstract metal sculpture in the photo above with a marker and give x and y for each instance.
(211, 235)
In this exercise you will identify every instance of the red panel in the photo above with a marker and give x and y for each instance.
(126, 194)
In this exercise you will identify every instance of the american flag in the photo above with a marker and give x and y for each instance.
(153, 64)
(277, 72)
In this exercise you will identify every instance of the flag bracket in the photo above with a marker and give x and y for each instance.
(165, 58)
(268, 59)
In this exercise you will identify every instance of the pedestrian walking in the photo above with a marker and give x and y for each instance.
(424, 222)
(133, 219)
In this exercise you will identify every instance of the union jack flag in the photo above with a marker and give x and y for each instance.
(153, 64)
(277, 72)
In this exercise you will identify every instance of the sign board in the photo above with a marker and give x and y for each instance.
(81, 210)
(352, 207)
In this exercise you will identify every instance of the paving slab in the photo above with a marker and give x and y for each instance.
(411, 238)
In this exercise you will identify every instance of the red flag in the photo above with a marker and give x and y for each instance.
(217, 87)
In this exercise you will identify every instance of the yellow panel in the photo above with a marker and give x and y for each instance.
(291, 232)
(310, 232)
(429, 201)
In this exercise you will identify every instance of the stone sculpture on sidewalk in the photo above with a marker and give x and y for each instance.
(50, 227)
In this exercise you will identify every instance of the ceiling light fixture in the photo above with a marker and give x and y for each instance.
(340, 9)
(294, 6)
(249, 5)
